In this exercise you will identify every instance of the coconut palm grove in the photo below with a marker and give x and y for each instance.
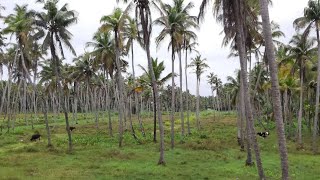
(117, 109)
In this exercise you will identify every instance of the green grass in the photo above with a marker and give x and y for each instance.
(212, 153)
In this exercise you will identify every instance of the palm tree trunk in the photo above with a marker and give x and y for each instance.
(120, 88)
(108, 106)
(154, 118)
(130, 121)
(136, 100)
(173, 109)
(316, 115)
(60, 91)
(300, 145)
(46, 121)
(181, 95)
(187, 91)
(285, 104)
(246, 120)
(198, 103)
(275, 88)
(243, 62)
(145, 16)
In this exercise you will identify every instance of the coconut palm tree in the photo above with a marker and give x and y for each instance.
(234, 15)
(116, 22)
(301, 49)
(103, 50)
(143, 17)
(275, 87)
(20, 25)
(55, 22)
(175, 20)
(158, 69)
(84, 71)
(311, 19)
(189, 45)
(199, 66)
(131, 35)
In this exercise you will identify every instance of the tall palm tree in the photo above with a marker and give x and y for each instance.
(20, 25)
(84, 71)
(143, 17)
(131, 34)
(301, 50)
(189, 45)
(117, 22)
(199, 66)
(175, 20)
(233, 15)
(275, 88)
(311, 19)
(55, 22)
(104, 53)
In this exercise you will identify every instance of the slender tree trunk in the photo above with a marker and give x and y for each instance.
(120, 88)
(316, 115)
(198, 104)
(243, 62)
(136, 100)
(60, 91)
(285, 104)
(173, 109)
(181, 95)
(244, 118)
(145, 17)
(108, 106)
(275, 88)
(131, 123)
(187, 91)
(300, 144)
(154, 118)
(46, 121)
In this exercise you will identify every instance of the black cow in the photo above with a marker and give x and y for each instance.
(263, 134)
(72, 128)
(35, 137)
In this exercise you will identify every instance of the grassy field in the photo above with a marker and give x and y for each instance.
(212, 153)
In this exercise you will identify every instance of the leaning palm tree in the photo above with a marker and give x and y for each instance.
(311, 19)
(55, 22)
(117, 22)
(199, 66)
(275, 88)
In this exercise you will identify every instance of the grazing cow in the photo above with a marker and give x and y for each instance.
(263, 134)
(72, 128)
(35, 137)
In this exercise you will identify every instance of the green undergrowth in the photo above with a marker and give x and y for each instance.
(211, 153)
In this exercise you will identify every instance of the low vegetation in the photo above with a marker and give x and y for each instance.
(211, 153)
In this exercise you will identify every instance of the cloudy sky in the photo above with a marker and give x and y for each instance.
(209, 36)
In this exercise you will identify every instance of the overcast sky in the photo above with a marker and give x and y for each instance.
(209, 38)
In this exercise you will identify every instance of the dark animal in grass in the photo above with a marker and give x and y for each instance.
(263, 134)
(35, 137)
(72, 128)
